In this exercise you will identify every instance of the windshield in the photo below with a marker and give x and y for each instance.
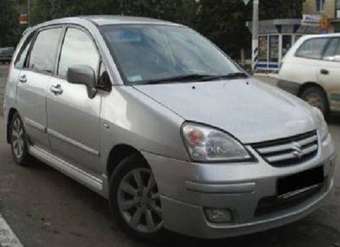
(161, 53)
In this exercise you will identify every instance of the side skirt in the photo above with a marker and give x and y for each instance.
(93, 183)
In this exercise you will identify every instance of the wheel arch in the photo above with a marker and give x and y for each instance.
(119, 153)
(11, 113)
(306, 85)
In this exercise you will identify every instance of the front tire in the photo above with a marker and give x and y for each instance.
(18, 140)
(316, 97)
(135, 200)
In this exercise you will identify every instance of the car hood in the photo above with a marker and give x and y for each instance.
(250, 110)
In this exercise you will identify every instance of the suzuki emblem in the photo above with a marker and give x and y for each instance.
(297, 150)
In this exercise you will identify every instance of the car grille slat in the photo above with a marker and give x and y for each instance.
(289, 151)
(283, 147)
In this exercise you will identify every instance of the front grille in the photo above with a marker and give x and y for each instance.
(289, 151)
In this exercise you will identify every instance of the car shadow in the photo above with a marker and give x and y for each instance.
(298, 234)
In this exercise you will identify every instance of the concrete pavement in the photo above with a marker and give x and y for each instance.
(46, 208)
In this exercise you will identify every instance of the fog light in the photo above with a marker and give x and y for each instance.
(219, 215)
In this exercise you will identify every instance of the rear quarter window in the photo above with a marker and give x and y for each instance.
(312, 48)
(22, 55)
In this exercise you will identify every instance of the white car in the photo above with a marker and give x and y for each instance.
(311, 70)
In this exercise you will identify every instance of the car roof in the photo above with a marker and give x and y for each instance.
(328, 35)
(118, 19)
(101, 20)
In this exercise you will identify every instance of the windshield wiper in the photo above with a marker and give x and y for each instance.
(230, 76)
(196, 77)
(183, 78)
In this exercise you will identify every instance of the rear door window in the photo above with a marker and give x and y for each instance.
(44, 52)
(333, 50)
(312, 48)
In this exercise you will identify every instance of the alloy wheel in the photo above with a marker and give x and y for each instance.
(139, 201)
(18, 141)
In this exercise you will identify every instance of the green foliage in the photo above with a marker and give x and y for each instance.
(222, 21)
(9, 27)
(276, 9)
(180, 10)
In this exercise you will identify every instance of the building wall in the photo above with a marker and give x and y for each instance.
(309, 8)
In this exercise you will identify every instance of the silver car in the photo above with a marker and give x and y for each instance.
(158, 120)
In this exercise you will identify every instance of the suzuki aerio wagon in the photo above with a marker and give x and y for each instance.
(162, 123)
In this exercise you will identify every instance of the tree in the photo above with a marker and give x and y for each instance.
(175, 10)
(222, 21)
(9, 23)
(276, 9)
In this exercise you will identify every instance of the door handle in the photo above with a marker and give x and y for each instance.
(56, 89)
(23, 79)
(324, 72)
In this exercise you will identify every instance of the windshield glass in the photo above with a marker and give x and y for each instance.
(152, 53)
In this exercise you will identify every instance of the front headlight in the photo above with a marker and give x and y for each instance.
(322, 125)
(206, 144)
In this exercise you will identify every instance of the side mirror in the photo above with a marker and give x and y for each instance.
(84, 75)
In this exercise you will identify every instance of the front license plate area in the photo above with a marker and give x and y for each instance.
(300, 182)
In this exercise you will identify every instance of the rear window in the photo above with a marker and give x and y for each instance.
(312, 48)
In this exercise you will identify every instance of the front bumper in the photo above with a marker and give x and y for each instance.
(187, 189)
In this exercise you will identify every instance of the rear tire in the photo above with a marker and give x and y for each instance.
(135, 200)
(316, 97)
(18, 141)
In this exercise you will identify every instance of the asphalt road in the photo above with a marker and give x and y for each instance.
(45, 208)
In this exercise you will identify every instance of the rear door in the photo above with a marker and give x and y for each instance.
(329, 73)
(304, 65)
(74, 118)
(33, 83)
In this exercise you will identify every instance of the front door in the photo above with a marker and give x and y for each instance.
(74, 118)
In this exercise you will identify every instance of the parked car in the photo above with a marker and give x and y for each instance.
(311, 70)
(158, 120)
(6, 54)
